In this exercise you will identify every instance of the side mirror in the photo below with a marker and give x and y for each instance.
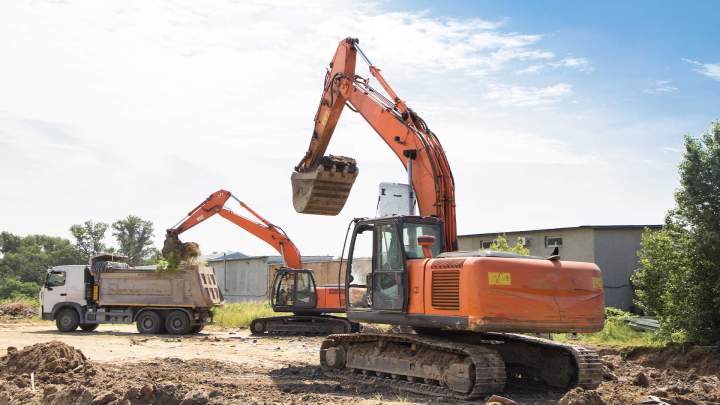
(426, 241)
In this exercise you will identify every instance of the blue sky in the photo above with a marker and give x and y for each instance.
(552, 113)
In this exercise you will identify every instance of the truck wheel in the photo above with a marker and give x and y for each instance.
(197, 328)
(67, 320)
(89, 327)
(177, 323)
(149, 323)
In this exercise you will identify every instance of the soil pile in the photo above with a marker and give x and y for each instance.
(701, 360)
(579, 396)
(17, 309)
(51, 357)
(177, 252)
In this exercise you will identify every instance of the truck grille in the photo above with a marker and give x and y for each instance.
(446, 289)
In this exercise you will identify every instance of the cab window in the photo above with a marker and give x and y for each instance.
(285, 290)
(389, 256)
(411, 232)
(55, 279)
(305, 289)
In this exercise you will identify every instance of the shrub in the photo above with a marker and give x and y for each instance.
(14, 288)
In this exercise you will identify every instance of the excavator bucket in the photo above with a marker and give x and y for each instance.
(174, 249)
(323, 190)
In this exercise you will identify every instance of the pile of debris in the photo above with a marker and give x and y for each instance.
(177, 252)
(17, 309)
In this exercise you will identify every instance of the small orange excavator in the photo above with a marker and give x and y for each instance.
(466, 308)
(294, 289)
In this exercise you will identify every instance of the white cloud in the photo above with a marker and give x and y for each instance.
(146, 108)
(522, 96)
(581, 64)
(660, 87)
(530, 69)
(711, 70)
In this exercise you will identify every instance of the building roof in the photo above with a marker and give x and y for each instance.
(214, 257)
(271, 259)
(611, 227)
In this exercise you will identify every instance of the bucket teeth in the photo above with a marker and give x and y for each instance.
(324, 189)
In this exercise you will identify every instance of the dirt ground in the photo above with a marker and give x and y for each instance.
(115, 365)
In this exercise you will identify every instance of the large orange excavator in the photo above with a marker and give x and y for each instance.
(294, 289)
(467, 308)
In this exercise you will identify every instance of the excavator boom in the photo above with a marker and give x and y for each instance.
(260, 227)
(321, 184)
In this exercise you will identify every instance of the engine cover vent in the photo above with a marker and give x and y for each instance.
(446, 289)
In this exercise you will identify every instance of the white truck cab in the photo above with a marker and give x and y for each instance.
(63, 285)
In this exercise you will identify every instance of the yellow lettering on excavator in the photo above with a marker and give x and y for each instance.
(597, 282)
(324, 119)
(496, 278)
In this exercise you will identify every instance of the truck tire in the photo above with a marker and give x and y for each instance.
(149, 323)
(89, 327)
(197, 328)
(67, 320)
(177, 323)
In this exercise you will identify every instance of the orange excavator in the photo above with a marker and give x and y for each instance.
(467, 308)
(294, 289)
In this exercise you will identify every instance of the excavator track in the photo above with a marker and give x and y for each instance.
(420, 364)
(303, 325)
(459, 365)
(551, 363)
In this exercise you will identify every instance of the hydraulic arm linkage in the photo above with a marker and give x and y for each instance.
(321, 184)
(260, 227)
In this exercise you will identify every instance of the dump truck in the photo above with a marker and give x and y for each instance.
(108, 290)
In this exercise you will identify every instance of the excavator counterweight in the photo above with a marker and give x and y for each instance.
(324, 189)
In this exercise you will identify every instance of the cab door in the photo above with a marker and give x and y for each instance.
(388, 270)
(54, 290)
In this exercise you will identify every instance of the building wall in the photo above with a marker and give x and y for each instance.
(578, 244)
(616, 255)
(250, 279)
(244, 280)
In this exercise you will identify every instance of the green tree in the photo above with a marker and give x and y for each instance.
(134, 237)
(501, 245)
(27, 258)
(12, 288)
(88, 238)
(680, 277)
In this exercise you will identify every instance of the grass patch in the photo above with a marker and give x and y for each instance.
(616, 333)
(240, 314)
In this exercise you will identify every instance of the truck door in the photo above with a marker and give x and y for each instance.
(388, 273)
(55, 289)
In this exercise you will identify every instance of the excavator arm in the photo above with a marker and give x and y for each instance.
(260, 227)
(321, 184)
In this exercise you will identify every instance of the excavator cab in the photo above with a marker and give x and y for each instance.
(294, 291)
(381, 284)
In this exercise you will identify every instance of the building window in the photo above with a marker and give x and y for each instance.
(553, 241)
(485, 244)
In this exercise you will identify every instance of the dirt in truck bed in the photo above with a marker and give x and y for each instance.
(116, 365)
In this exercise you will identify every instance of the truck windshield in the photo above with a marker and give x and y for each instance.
(411, 232)
(55, 279)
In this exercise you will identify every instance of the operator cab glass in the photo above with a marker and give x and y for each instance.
(411, 232)
(294, 289)
(386, 243)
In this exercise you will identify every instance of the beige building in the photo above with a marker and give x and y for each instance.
(612, 247)
(249, 278)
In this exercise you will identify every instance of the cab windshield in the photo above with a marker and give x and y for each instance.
(411, 231)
